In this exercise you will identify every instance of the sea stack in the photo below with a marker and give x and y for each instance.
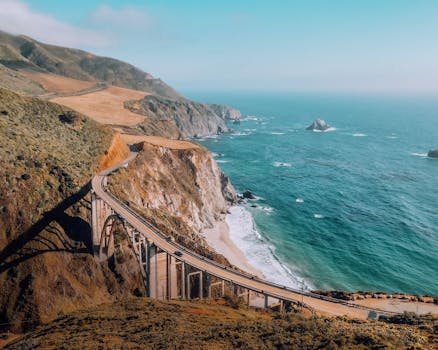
(433, 153)
(318, 125)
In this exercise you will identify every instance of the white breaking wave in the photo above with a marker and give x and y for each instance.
(249, 117)
(360, 135)
(257, 250)
(299, 200)
(277, 133)
(318, 216)
(326, 130)
(241, 133)
(279, 164)
(222, 161)
(392, 137)
(423, 155)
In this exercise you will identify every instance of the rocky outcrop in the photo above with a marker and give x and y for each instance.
(188, 118)
(433, 153)
(182, 191)
(226, 112)
(318, 125)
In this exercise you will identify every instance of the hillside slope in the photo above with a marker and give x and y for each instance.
(48, 154)
(22, 52)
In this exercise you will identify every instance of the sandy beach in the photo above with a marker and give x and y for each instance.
(219, 239)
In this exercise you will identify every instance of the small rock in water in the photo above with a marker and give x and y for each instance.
(433, 153)
(248, 195)
(319, 125)
(253, 206)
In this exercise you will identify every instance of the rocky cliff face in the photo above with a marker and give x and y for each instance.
(47, 157)
(225, 112)
(188, 118)
(182, 191)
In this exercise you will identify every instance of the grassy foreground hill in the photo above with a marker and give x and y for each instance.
(150, 324)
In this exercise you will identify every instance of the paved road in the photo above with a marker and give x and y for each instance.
(321, 305)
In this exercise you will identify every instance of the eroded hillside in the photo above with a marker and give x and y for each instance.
(48, 154)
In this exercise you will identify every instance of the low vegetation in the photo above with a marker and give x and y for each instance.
(149, 324)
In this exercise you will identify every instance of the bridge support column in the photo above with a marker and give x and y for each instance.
(266, 302)
(183, 281)
(153, 271)
(95, 223)
(201, 285)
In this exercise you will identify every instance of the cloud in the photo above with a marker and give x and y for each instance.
(16, 17)
(124, 17)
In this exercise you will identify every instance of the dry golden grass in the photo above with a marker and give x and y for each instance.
(150, 324)
(159, 141)
(106, 106)
(58, 83)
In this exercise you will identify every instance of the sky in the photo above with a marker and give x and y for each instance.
(308, 45)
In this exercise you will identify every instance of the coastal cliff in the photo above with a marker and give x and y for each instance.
(183, 117)
(178, 187)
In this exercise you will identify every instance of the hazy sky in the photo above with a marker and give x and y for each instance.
(325, 45)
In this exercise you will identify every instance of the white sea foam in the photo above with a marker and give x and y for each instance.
(326, 130)
(257, 250)
(422, 155)
(277, 133)
(222, 161)
(318, 216)
(299, 200)
(239, 133)
(249, 117)
(360, 135)
(279, 164)
(392, 137)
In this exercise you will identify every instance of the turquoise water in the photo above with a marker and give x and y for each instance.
(355, 208)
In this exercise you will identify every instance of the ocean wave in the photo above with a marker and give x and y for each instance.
(392, 137)
(422, 155)
(360, 135)
(217, 154)
(277, 133)
(299, 200)
(326, 130)
(222, 161)
(281, 164)
(240, 133)
(249, 118)
(318, 216)
(257, 250)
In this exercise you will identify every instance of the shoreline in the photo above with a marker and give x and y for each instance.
(219, 238)
(237, 239)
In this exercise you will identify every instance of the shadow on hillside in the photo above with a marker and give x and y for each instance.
(67, 234)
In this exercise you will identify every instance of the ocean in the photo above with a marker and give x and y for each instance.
(354, 208)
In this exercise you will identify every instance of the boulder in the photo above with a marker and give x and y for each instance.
(433, 153)
(319, 125)
(248, 195)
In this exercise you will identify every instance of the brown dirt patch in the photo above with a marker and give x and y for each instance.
(159, 141)
(106, 106)
(58, 83)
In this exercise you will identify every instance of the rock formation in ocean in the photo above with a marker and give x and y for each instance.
(248, 195)
(433, 153)
(318, 125)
